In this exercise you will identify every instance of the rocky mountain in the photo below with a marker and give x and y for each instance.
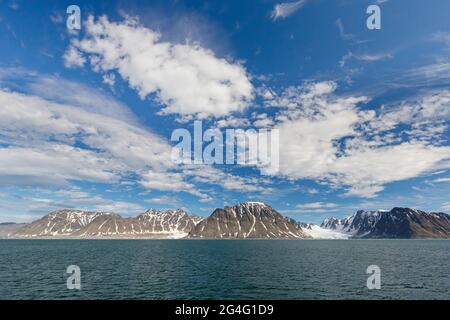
(247, 220)
(78, 223)
(9, 228)
(60, 223)
(359, 224)
(399, 223)
(168, 221)
(244, 220)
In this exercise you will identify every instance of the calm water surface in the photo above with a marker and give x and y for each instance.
(233, 269)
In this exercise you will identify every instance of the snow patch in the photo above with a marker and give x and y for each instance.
(317, 232)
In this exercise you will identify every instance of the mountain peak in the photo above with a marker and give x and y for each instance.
(252, 203)
(249, 204)
(79, 223)
(396, 223)
(246, 220)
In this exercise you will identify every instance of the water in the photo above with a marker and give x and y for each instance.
(233, 269)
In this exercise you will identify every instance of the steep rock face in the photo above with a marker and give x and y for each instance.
(246, 220)
(401, 223)
(110, 225)
(358, 224)
(331, 223)
(405, 223)
(167, 221)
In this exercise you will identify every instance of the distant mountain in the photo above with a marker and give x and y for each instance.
(247, 220)
(60, 223)
(9, 228)
(399, 223)
(78, 223)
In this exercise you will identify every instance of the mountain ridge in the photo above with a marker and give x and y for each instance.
(246, 220)
(78, 223)
(398, 223)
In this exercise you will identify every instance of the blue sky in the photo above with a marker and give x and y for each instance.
(86, 116)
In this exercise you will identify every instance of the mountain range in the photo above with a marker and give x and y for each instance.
(252, 220)
(400, 223)
(77, 223)
(247, 220)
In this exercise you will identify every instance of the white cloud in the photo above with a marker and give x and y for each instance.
(445, 206)
(29, 204)
(73, 58)
(367, 57)
(331, 140)
(443, 37)
(440, 180)
(342, 33)
(42, 138)
(316, 205)
(119, 206)
(164, 200)
(436, 72)
(49, 143)
(429, 110)
(232, 122)
(53, 164)
(62, 91)
(366, 171)
(109, 79)
(186, 78)
(228, 181)
(168, 181)
(262, 121)
(284, 10)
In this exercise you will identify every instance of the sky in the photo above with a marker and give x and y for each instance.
(86, 116)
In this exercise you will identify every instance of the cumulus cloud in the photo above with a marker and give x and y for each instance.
(284, 10)
(53, 165)
(232, 122)
(332, 140)
(186, 79)
(56, 89)
(48, 143)
(42, 139)
(168, 181)
(366, 171)
(73, 58)
(227, 180)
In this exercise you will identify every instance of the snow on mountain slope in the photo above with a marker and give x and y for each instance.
(247, 220)
(398, 223)
(316, 232)
(78, 223)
